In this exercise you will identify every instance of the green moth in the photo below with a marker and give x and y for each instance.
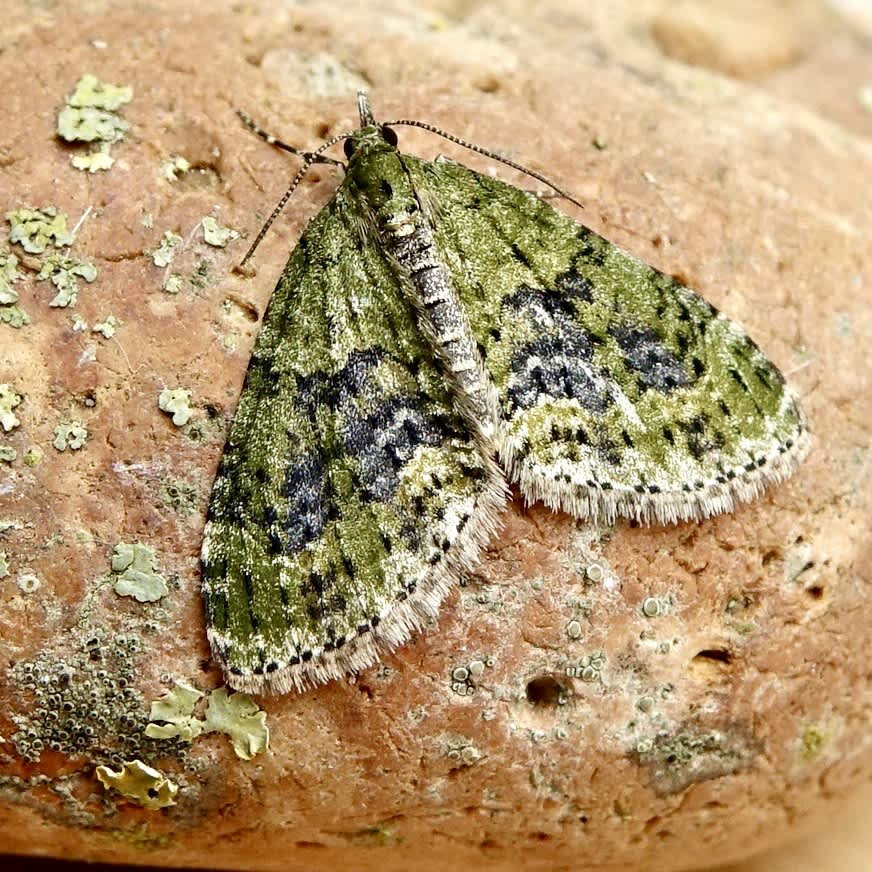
(435, 334)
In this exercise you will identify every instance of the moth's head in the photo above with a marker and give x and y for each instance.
(368, 138)
(376, 175)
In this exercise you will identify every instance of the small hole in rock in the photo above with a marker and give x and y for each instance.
(816, 591)
(544, 690)
(721, 655)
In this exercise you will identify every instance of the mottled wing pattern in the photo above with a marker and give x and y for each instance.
(623, 392)
(350, 494)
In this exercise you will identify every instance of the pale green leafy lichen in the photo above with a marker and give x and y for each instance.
(173, 167)
(173, 283)
(176, 402)
(107, 327)
(9, 400)
(64, 272)
(89, 115)
(72, 435)
(216, 234)
(90, 91)
(8, 274)
(7, 454)
(13, 316)
(4, 565)
(94, 161)
(36, 229)
(236, 715)
(162, 256)
(240, 718)
(175, 712)
(140, 783)
(134, 567)
(78, 323)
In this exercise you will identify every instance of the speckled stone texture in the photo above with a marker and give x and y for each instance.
(618, 699)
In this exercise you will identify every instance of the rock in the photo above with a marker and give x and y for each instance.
(623, 698)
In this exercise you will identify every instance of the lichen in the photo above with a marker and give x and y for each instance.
(70, 434)
(9, 400)
(89, 116)
(28, 582)
(94, 161)
(176, 402)
(36, 229)
(163, 255)
(107, 327)
(134, 567)
(172, 716)
(692, 754)
(173, 167)
(63, 272)
(4, 565)
(814, 740)
(215, 234)
(8, 274)
(83, 701)
(140, 783)
(239, 717)
(179, 495)
(236, 715)
(14, 316)
(90, 91)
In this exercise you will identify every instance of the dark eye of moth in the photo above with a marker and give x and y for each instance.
(389, 135)
(348, 147)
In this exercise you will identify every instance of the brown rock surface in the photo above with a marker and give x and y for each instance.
(712, 699)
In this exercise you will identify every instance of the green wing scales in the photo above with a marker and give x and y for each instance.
(623, 393)
(350, 494)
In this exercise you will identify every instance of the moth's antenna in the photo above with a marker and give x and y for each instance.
(257, 130)
(310, 157)
(487, 153)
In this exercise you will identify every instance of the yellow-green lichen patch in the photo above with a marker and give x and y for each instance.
(814, 739)
(107, 327)
(4, 565)
(14, 316)
(163, 255)
(94, 161)
(239, 717)
(64, 273)
(36, 229)
(10, 313)
(172, 716)
(140, 783)
(216, 234)
(176, 402)
(8, 274)
(70, 434)
(133, 565)
(9, 400)
(7, 454)
(90, 117)
(173, 167)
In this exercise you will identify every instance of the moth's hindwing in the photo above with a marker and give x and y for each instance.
(350, 494)
(623, 392)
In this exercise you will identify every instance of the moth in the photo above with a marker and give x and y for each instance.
(436, 334)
